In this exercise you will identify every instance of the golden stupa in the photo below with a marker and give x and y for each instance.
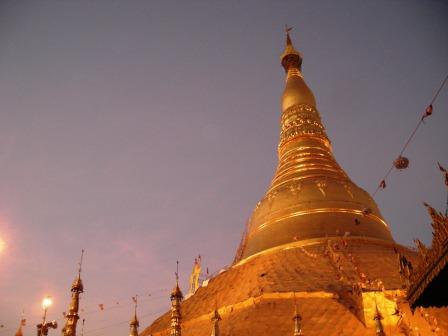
(317, 257)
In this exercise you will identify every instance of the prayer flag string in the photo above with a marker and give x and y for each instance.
(402, 162)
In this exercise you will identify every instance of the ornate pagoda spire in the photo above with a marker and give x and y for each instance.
(310, 196)
(72, 317)
(215, 321)
(19, 331)
(379, 330)
(176, 316)
(134, 324)
(297, 322)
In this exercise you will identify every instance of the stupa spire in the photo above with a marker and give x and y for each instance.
(310, 195)
(134, 323)
(379, 330)
(19, 331)
(297, 322)
(72, 317)
(215, 323)
(176, 299)
(290, 58)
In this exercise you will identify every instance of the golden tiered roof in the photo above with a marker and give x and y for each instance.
(427, 281)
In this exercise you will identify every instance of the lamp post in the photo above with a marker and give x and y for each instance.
(42, 328)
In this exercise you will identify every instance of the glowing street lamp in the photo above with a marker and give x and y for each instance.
(47, 302)
(42, 328)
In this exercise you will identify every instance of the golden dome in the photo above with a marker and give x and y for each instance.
(310, 195)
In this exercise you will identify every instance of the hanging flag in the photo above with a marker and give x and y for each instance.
(443, 170)
(428, 112)
(383, 184)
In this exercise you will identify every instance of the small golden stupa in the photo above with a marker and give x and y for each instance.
(317, 257)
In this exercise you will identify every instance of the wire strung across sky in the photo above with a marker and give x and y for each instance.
(428, 112)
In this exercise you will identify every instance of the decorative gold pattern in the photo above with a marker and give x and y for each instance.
(134, 324)
(176, 316)
(432, 260)
(301, 120)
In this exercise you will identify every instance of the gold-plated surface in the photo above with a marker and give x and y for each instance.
(134, 324)
(336, 293)
(310, 195)
(194, 277)
(315, 240)
(432, 262)
(72, 317)
(176, 315)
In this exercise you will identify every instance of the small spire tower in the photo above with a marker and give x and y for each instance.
(72, 317)
(297, 321)
(215, 321)
(19, 331)
(176, 299)
(134, 324)
(379, 330)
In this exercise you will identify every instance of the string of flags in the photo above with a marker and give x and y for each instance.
(402, 162)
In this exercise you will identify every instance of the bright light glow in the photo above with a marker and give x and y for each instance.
(2, 245)
(47, 302)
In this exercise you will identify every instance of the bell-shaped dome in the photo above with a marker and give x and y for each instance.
(310, 196)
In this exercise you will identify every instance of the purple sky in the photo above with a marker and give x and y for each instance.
(146, 132)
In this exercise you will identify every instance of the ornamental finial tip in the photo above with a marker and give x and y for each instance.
(177, 272)
(288, 38)
(80, 262)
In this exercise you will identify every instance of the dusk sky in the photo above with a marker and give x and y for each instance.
(146, 131)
